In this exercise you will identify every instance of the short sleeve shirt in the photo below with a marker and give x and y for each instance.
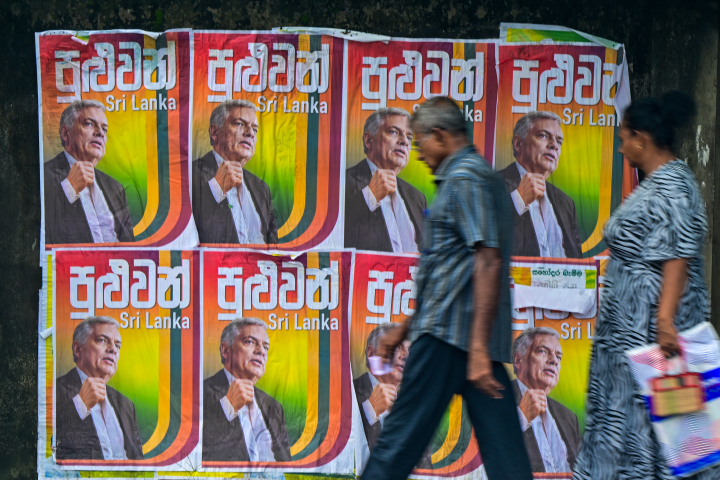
(471, 210)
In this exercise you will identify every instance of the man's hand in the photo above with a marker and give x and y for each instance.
(480, 374)
(81, 175)
(382, 184)
(383, 397)
(240, 393)
(533, 403)
(229, 175)
(532, 187)
(389, 342)
(92, 391)
(667, 337)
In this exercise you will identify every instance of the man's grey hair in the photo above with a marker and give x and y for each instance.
(526, 338)
(70, 114)
(377, 118)
(232, 329)
(83, 329)
(221, 112)
(441, 113)
(378, 332)
(523, 126)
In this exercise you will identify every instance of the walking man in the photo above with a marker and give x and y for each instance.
(461, 329)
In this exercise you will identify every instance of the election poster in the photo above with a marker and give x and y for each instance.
(277, 325)
(114, 111)
(384, 295)
(267, 125)
(122, 391)
(557, 121)
(386, 83)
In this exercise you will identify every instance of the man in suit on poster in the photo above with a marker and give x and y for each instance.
(550, 430)
(241, 423)
(376, 395)
(94, 421)
(382, 212)
(230, 204)
(545, 217)
(83, 204)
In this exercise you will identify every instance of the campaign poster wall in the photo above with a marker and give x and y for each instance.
(384, 291)
(404, 73)
(294, 169)
(152, 374)
(116, 106)
(304, 383)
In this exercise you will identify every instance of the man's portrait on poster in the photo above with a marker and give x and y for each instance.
(241, 423)
(230, 204)
(383, 212)
(82, 203)
(550, 430)
(95, 421)
(376, 395)
(545, 216)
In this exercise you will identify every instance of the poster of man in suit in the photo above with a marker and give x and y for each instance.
(376, 395)
(545, 218)
(551, 430)
(383, 212)
(95, 421)
(82, 203)
(241, 422)
(230, 204)
(114, 139)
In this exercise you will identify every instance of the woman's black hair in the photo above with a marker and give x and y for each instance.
(660, 118)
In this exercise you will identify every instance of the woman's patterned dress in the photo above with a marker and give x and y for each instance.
(663, 219)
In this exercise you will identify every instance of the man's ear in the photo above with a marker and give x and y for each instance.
(64, 134)
(367, 140)
(517, 145)
(214, 134)
(225, 350)
(369, 351)
(517, 362)
(440, 136)
(76, 349)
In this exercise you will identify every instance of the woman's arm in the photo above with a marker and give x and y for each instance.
(673, 286)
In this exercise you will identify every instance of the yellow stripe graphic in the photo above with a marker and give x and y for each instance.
(163, 375)
(454, 426)
(312, 376)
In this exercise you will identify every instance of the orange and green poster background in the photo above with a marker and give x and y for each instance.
(144, 82)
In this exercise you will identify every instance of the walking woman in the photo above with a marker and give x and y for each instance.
(654, 287)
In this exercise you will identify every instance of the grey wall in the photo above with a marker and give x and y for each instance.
(670, 44)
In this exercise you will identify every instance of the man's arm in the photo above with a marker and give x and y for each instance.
(487, 270)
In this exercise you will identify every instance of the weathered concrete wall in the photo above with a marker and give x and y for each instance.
(671, 44)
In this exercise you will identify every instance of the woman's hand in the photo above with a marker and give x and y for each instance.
(673, 285)
(667, 337)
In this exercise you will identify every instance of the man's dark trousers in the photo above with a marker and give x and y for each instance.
(435, 370)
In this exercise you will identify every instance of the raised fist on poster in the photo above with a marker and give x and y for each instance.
(383, 397)
(382, 184)
(229, 175)
(533, 403)
(82, 174)
(532, 187)
(92, 392)
(240, 393)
